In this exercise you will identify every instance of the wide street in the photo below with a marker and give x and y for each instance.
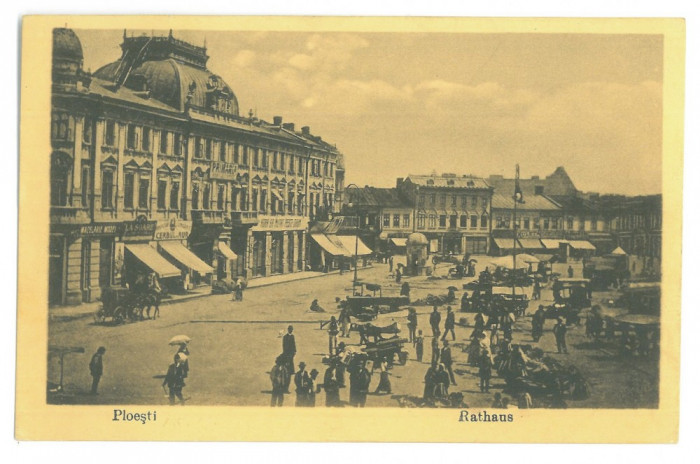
(234, 345)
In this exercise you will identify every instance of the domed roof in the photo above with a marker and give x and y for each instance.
(173, 83)
(416, 238)
(66, 44)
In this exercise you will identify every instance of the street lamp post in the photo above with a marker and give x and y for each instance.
(357, 236)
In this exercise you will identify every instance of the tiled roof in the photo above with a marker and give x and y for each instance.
(467, 182)
(376, 197)
(531, 202)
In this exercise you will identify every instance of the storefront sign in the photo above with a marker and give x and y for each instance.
(104, 229)
(173, 229)
(280, 223)
(140, 229)
(223, 171)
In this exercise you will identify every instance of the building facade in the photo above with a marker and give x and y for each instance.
(454, 213)
(151, 150)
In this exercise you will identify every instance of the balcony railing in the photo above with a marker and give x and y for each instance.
(206, 216)
(69, 215)
(244, 218)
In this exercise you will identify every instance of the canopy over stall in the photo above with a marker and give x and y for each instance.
(185, 257)
(151, 258)
(330, 246)
(348, 242)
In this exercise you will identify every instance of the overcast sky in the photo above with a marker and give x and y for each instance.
(400, 103)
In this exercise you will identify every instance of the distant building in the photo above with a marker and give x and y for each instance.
(154, 169)
(454, 213)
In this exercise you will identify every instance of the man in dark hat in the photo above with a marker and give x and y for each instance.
(412, 324)
(278, 377)
(289, 349)
(331, 385)
(301, 381)
(560, 335)
(435, 321)
(175, 380)
(449, 324)
(363, 379)
(96, 368)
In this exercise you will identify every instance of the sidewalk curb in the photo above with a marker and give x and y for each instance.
(72, 317)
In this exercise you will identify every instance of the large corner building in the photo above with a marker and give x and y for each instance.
(153, 168)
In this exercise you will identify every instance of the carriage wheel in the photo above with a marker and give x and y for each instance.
(118, 315)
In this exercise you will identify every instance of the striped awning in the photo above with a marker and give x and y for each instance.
(505, 243)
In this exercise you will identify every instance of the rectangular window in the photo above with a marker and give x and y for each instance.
(453, 221)
(406, 220)
(290, 203)
(432, 221)
(506, 222)
(283, 166)
(263, 200)
(85, 185)
(421, 201)
(206, 194)
(144, 191)
(256, 158)
(263, 158)
(526, 223)
(484, 202)
(198, 147)
(442, 199)
(164, 142)
(254, 200)
(220, 198)
(162, 187)
(291, 164)
(453, 201)
(432, 199)
(235, 153)
(175, 195)
(195, 196)
(110, 133)
(484, 221)
(301, 165)
(146, 139)
(177, 144)
(87, 131)
(464, 202)
(128, 190)
(421, 220)
(475, 201)
(499, 222)
(536, 223)
(397, 220)
(545, 223)
(209, 148)
(275, 160)
(386, 220)
(594, 223)
(473, 221)
(569, 223)
(443, 220)
(222, 151)
(131, 137)
(107, 188)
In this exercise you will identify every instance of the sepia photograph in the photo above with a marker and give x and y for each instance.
(439, 219)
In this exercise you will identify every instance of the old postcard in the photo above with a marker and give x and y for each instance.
(350, 229)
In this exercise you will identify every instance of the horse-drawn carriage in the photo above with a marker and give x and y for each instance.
(366, 307)
(379, 347)
(570, 297)
(122, 304)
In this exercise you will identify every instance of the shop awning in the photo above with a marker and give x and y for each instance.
(531, 243)
(551, 244)
(185, 257)
(582, 245)
(226, 251)
(151, 258)
(330, 246)
(348, 242)
(399, 242)
(505, 243)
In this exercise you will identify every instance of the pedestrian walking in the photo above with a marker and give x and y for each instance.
(96, 368)
(449, 324)
(384, 384)
(536, 289)
(154, 292)
(332, 336)
(301, 382)
(412, 324)
(405, 290)
(344, 319)
(175, 380)
(312, 388)
(435, 351)
(289, 349)
(391, 263)
(184, 349)
(430, 382)
(331, 385)
(538, 323)
(442, 385)
(485, 370)
(419, 346)
(398, 275)
(446, 359)
(570, 272)
(435, 319)
(360, 379)
(560, 335)
(278, 377)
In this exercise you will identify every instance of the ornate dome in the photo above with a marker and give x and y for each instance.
(66, 45)
(416, 238)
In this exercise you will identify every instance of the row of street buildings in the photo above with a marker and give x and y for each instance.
(154, 169)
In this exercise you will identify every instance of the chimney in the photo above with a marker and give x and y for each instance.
(306, 130)
(288, 126)
(277, 120)
(535, 177)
